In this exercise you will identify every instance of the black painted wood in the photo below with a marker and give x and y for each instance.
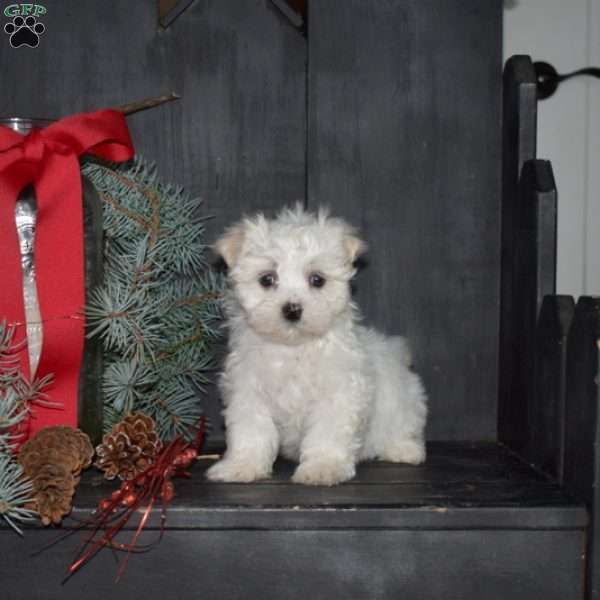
(533, 274)
(238, 135)
(475, 516)
(170, 10)
(91, 401)
(582, 441)
(404, 141)
(539, 225)
(321, 565)
(236, 138)
(548, 406)
(461, 486)
(519, 125)
(519, 136)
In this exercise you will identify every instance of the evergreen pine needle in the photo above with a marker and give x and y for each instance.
(158, 311)
(15, 395)
(15, 492)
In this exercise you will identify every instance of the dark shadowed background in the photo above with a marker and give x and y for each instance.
(374, 116)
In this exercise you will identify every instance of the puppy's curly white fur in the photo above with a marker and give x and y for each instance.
(302, 377)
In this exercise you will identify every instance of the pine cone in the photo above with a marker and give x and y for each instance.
(129, 448)
(53, 460)
(55, 487)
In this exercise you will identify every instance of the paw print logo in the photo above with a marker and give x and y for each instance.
(24, 32)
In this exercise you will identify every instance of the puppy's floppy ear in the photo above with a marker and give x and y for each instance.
(229, 245)
(354, 246)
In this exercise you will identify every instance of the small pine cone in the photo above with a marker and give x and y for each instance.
(52, 506)
(56, 477)
(129, 448)
(54, 488)
(53, 460)
(56, 444)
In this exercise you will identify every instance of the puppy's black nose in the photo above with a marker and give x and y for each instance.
(292, 311)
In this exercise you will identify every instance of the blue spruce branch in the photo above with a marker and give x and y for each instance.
(16, 393)
(159, 309)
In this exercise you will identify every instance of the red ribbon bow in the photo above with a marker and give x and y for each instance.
(49, 159)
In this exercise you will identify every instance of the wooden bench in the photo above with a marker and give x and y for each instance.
(392, 113)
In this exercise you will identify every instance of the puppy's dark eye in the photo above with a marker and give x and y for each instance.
(316, 280)
(267, 280)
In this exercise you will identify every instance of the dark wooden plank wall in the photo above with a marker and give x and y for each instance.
(404, 140)
(237, 136)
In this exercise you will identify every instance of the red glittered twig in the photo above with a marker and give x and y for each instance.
(142, 493)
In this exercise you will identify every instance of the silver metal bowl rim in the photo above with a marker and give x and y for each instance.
(25, 120)
(25, 125)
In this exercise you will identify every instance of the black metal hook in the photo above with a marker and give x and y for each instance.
(548, 79)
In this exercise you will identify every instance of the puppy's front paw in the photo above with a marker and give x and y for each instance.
(410, 452)
(235, 470)
(324, 471)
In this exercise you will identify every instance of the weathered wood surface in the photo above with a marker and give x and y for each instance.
(473, 518)
(321, 565)
(547, 410)
(404, 141)
(519, 139)
(236, 138)
(533, 274)
(462, 485)
(582, 429)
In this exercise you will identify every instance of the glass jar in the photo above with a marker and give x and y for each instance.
(90, 407)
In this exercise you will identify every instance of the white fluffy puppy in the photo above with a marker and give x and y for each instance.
(302, 377)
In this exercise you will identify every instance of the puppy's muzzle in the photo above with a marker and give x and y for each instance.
(292, 311)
